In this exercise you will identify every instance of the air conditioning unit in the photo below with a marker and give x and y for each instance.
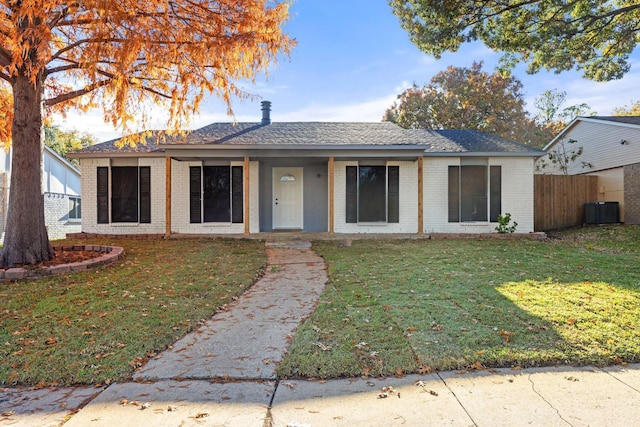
(602, 213)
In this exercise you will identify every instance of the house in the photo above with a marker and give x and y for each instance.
(610, 149)
(61, 188)
(248, 178)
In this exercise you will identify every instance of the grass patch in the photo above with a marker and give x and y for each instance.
(96, 327)
(456, 304)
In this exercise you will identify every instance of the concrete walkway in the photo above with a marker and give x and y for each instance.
(223, 374)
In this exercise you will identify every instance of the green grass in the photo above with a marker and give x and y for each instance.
(95, 327)
(390, 307)
(459, 304)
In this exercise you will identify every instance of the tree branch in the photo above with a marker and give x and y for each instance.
(76, 93)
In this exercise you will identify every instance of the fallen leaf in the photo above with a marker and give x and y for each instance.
(323, 347)
(424, 370)
(8, 413)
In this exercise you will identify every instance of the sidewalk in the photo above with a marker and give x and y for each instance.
(223, 374)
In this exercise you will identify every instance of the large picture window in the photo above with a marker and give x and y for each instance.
(130, 195)
(474, 193)
(216, 194)
(372, 194)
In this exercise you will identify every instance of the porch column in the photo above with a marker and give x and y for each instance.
(247, 198)
(420, 195)
(167, 230)
(331, 194)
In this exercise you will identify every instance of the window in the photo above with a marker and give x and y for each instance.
(74, 208)
(216, 194)
(373, 194)
(474, 193)
(130, 196)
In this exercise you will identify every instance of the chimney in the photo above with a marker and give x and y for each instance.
(266, 112)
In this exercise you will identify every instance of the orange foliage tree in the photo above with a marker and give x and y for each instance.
(125, 57)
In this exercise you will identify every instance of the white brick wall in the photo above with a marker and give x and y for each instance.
(517, 195)
(56, 216)
(408, 201)
(517, 199)
(180, 222)
(90, 205)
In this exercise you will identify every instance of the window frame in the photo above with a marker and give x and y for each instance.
(198, 204)
(75, 207)
(354, 194)
(105, 195)
(490, 200)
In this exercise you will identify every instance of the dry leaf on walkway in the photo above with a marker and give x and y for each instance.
(386, 392)
(201, 415)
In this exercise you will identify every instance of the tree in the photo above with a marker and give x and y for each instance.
(561, 157)
(64, 141)
(465, 98)
(596, 37)
(553, 116)
(628, 110)
(125, 56)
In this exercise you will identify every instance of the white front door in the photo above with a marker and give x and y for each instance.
(287, 198)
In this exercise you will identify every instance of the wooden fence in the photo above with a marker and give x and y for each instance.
(559, 200)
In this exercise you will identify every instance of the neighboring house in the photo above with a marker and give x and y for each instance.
(610, 150)
(61, 188)
(309, 176)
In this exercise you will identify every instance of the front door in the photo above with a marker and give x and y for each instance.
(287, 198)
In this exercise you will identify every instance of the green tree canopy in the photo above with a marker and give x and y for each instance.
(594, 36)
(64, 141)
(553, 115)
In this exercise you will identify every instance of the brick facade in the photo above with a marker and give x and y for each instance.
(90, 224)
(632, 194)
(516, 196)
(56, 216)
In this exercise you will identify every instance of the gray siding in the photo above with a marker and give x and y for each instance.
(602, 146)
(316, 205)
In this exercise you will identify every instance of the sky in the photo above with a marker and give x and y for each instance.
(353, 59)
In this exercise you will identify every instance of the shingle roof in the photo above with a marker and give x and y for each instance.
(632, 120)
(326, 134)
(303, 133)
(473, 141)
(111, 146)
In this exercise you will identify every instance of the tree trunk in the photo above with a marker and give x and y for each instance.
(26, 240)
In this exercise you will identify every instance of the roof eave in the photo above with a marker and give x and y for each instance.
(483, 154)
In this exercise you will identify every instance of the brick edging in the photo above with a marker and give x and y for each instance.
(533, 236)
(110, 254)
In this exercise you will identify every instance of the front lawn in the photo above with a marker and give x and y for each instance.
(391, 306)
(396, 307)
(96, 327)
